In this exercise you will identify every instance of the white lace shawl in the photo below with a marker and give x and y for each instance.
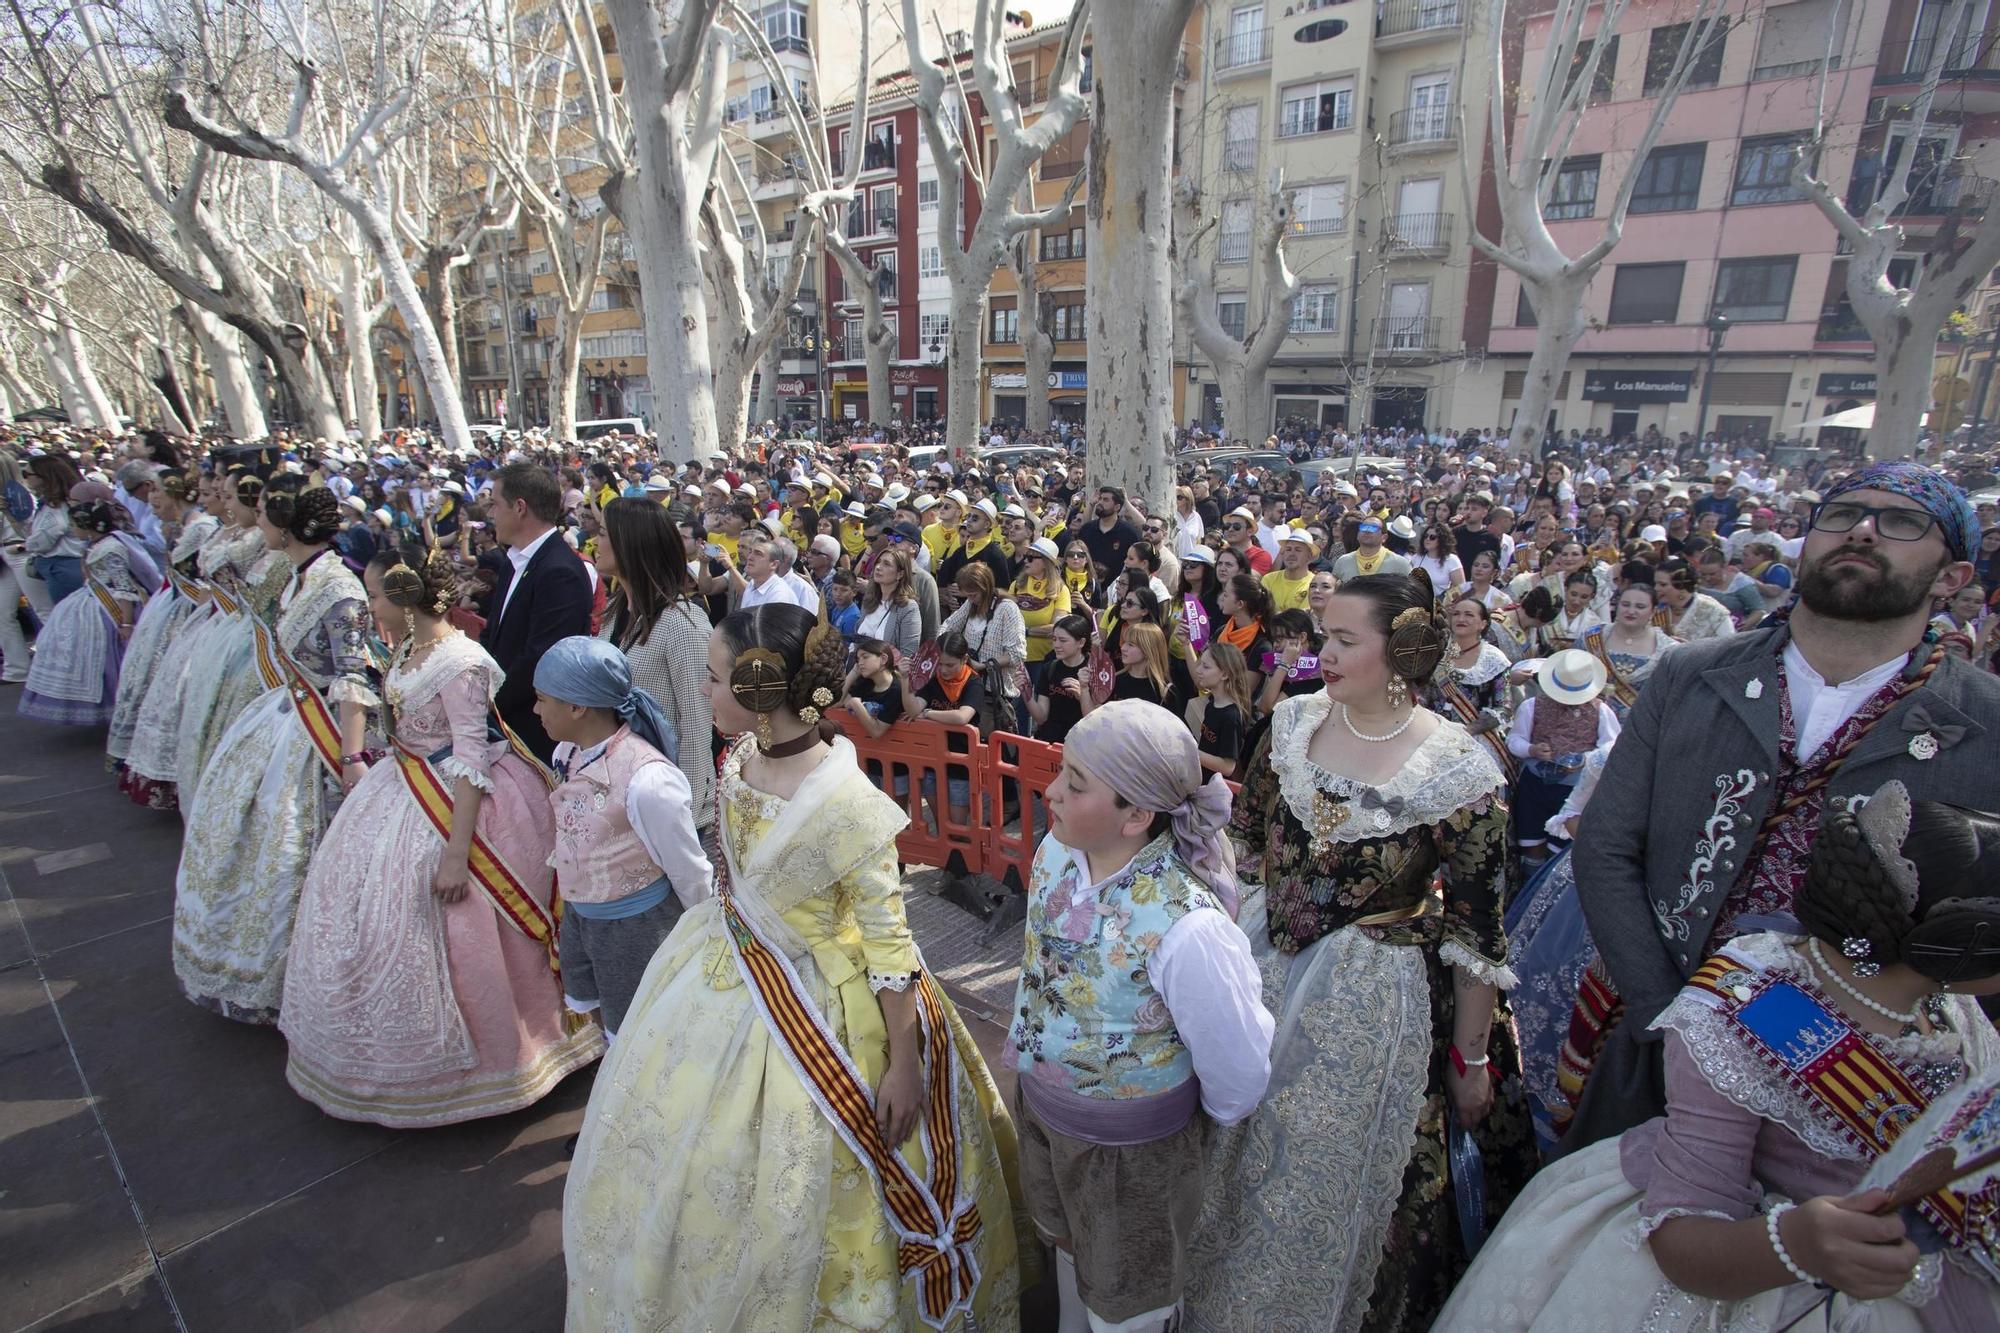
(1490, 663)
(1734, 1071)
(453, 656)
(1448, 772)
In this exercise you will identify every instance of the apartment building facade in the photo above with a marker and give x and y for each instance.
(1355, 108)
(1723, 260)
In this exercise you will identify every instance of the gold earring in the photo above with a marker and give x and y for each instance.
(764, 741)
(1399, 692)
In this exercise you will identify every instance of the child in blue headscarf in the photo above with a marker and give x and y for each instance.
(627, 858)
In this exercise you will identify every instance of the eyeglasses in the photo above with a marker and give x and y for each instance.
(1898, 525)
(1236, 527)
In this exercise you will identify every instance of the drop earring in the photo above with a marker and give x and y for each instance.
(1399, 692)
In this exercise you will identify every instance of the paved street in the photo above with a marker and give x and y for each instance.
(156, 1173)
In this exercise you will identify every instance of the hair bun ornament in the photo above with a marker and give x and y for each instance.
(759, 681)
(402, 585)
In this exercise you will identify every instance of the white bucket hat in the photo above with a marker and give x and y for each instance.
(1571, 676)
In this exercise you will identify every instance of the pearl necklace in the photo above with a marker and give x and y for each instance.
(1893, 1015)
(1389, 735)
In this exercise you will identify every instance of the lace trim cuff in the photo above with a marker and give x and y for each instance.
(344, 691)
(451, 768)
(1648, 1223)
(895, 981)
(1454, 954)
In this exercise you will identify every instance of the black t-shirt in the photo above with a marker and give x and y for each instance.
(1108, 549)
(1469, 542)
(884, 704)
(1064, 711)
(1128, 686)
(1210, 511)
(973, 696)
(1222, 730)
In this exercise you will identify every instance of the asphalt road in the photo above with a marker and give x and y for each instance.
(157, 1173)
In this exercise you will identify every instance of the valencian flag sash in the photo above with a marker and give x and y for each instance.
(1853, 1087)
(433, 793)
(225, 599)
(187, 587)
(279, 670)
(1468, 713)
(935, 1224)
(1600, 648)
(112, 606)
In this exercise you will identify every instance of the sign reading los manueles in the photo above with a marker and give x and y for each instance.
(1638, 386)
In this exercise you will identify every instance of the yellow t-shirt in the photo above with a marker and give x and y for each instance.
(853, 536)
(1056, 593)
(940, 541)
(728, 545)
(1287, 593)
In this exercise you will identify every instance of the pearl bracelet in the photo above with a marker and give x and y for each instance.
(1778, 1245)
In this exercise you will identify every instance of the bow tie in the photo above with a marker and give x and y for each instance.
(1391, 806)
(1919, 719)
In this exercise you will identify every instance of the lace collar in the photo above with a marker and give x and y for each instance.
(1448, 772)
(453, 656)
(194, 537)
(323, 585)
(1490, 663)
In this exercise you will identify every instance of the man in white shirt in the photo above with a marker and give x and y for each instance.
(766, 575)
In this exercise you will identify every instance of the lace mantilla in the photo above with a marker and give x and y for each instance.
(1736, 1072)
(452, 657)
(1490, 663)
(327, 584)
(1448, 772)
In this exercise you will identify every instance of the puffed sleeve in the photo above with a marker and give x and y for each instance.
(1472, 848)
(113, 568)
(465, 704)
(1702, 1153)
(877, 893)
(346, 626)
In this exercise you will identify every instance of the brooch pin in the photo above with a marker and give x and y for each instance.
(1754, 690)
(1923, 746)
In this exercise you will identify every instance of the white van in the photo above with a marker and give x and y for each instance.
(592, 430)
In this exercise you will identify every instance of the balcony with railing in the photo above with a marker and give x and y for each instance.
(1421, 129)
(1328, 114)
(1239, 155)
(1932, 194)
(878, 155)
(1238, 51)
(1971, 78)
(1409, 335)
(1032, 92)
(1327, 226)
(1407, 22)
(1417, 233)
(1233, 247)
(1839, 324)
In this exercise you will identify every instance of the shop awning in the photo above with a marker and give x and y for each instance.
(1854, 418)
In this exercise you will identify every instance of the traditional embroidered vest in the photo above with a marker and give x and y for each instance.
(598, 857)
(1566, 728)
(1086, 1016)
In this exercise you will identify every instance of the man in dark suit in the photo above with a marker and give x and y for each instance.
(543, 596)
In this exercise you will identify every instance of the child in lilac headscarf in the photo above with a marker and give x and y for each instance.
(1139, 1022)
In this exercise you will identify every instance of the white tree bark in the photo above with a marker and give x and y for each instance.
(751, 295)
(1556, 96)
(1129, 238)
(1242, 366)
(970, 263)
(235, 388)
(1905, 321)
(1038, 347)
(768, 370)
(673, 92)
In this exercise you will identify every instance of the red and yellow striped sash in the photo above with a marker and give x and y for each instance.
(186, 587)
(1468, 713)
(935, 1226)
(488, 868)
(1858, 1090)
(112, 606)
(278, 669)
(1600, 648)
(226, 599)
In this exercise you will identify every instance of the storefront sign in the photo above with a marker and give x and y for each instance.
(1008, 379)
(791, 388)
(1067, 379)
(1638, 386)
(1847, 384)
(903, 374)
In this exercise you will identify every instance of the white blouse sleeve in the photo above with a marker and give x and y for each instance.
(661, 808)
(1204, 972)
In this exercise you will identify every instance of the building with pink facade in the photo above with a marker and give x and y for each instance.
(1717, 229)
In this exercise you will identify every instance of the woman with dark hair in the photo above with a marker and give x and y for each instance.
(1630, 645)
(997, 638)
(415, 993)
(711, 1177)
(1059, 695)
(1766, 1181)
(661, 629)
(1439, 560)
(1244, 605)
(889, 609)
(73, 679)
(1333, 1205)
(54, 549)
(277, 774)
(1691, 614)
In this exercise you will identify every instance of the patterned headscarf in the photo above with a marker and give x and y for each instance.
(1930, 488)
(1148, 757)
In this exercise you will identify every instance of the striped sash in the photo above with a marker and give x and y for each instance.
(1468, 713)
(187, 587)
(1865, 1097)
(488, 868)
(1600, 648)
(278, 669)
(112, 606)
(934, 1222)
(226, 599)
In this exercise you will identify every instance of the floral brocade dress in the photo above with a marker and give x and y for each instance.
(708, 1190)
(166, 612)
(154, 754)
(1332, 1207)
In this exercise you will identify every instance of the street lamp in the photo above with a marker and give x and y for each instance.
(1718, 326)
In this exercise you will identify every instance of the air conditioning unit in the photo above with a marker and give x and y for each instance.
(958, 41)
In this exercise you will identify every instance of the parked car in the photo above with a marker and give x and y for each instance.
(1347, 467)
(595, 430)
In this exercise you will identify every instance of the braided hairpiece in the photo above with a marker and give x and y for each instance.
(1849, 894)
(818, 684)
